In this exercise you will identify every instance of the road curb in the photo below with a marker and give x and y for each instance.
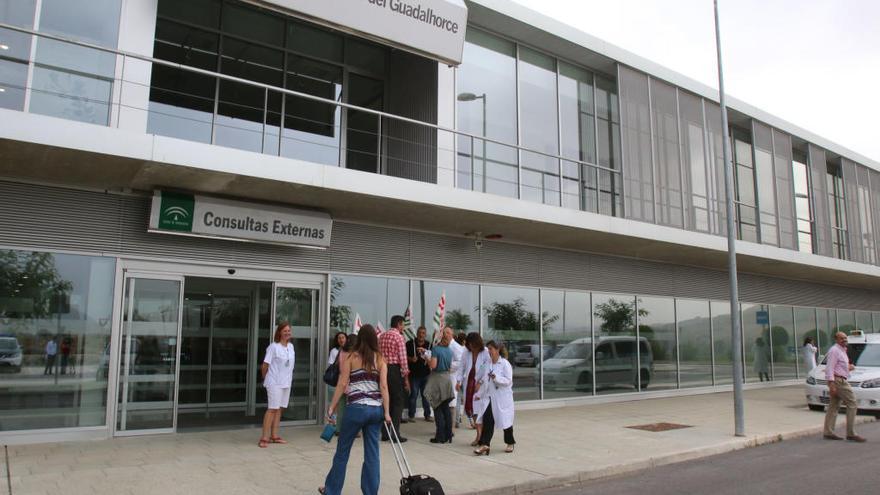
(574, 479)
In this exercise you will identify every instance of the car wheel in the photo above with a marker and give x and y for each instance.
(816, 407)
(585, 382)
(645, 379)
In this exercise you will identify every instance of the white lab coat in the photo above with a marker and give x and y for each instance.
(809, 360)
(467, 362)
(457, 353)
(499, 392)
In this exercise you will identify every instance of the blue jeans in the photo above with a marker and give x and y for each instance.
(416, 390)
(443, 422)
(368, 419)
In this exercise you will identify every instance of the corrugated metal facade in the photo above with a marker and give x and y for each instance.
(43, 217)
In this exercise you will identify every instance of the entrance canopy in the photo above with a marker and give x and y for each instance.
(433, 28)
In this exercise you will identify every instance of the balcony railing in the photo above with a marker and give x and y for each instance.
(81, 81)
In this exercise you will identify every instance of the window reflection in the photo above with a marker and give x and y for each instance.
(721, 346)
(616, 358)
(567, 350)
(783, 343)
(695, 342)
(511, 318)
(658, 367)
(54, 339)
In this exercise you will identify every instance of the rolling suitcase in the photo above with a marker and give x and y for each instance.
(411, 484)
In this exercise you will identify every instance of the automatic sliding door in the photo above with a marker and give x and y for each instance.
(148, 360)
(299, 306)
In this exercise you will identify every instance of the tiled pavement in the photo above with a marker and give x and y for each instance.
(554, 446)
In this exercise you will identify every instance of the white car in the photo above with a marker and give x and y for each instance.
(10, 353)
(864, 353)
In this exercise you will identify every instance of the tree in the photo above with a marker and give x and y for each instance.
(515, 316)
(340, 316)
(617, 316)
(32, 278)
(458, 320)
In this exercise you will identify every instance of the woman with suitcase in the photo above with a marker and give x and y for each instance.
(364, 374)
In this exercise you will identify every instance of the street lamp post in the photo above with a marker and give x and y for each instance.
(736, 335)
(473, 97)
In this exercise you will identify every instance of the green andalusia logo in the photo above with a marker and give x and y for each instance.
(176, 211)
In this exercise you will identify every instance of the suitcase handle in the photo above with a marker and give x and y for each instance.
(394, 440)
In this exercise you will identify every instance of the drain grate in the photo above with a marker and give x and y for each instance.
(655, 427)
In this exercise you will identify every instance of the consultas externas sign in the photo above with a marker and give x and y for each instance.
(205, 216)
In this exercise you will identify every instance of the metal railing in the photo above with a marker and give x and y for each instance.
(378, 142)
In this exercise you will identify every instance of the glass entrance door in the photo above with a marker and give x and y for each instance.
(299, 306)
(148, 358)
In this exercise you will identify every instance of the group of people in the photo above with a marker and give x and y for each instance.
(379, 374)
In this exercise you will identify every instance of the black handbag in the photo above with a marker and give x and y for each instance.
(331, 374)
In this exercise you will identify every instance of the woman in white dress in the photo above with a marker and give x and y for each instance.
(809, 351)
(277, 371)
(497, 388)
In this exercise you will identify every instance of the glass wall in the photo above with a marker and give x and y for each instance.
(863, 321)
(539, 127)
(462, 305)
(70, 81)
(803, 202)
(659, 365)
(17, 52)
(784, 190)
(568, 350)
(764, 175)
(635, 107)
(54, 339)
(615, 346)
(694, 342)
(805, 326)
(667, 154)
(756, 341)
(721, 342)
(486, 85)
(744, 173)
(511, 318)
(783, 343)
(826, 321)
(562, 110)
(372, 299)
(239, 40)
(694, 173)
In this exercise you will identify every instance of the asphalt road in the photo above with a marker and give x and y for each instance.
(809, 465)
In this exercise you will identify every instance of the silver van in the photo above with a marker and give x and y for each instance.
(617, 364)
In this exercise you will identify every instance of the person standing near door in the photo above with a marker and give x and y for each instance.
(51, 352)
(277, 371)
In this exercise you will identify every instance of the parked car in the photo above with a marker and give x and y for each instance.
(864, 353)
(530, 354)
(616, 364)
(10, 353)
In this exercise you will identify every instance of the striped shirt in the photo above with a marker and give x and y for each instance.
(363, 388)
(393, 349)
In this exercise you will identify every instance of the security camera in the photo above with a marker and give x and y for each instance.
(231, 271)
(478, 243)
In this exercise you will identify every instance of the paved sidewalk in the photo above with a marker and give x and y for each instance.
(554, 447)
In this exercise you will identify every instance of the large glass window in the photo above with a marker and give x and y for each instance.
(846, 321)
(696, 180)
(16, 51)
(615, 347)
(863, 321)
(784, 190)
(715, 168)
(261, 46)
(721, 342)
(746, 216)
(511, 318)
(540, 126)
(578, 137)
(756, 341)
(764, 179)
(486, 85)
(826, 322)
(865, 214)
(609, 146)
(667, 154)
(837, 210)
(803, 207)
(658, 366)
(636, 137)
(568, 349)
(805, 324)
(70, 81)
(54, 339)
(783, 343)
(462, 305)
(694, 342)
(372, 299)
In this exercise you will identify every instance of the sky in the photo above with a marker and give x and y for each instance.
(814, 63)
